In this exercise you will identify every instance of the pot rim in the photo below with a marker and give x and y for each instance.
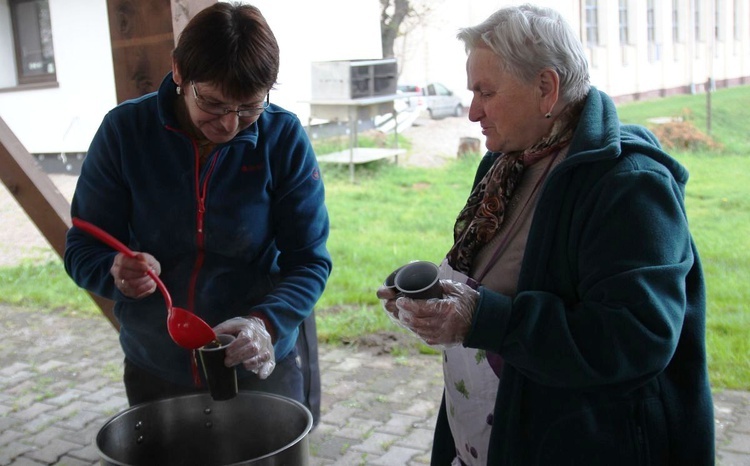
(206, 395)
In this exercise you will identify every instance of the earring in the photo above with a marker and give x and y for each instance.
(548, 115)
(179, 90)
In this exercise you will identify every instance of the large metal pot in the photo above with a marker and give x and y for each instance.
(253, 428)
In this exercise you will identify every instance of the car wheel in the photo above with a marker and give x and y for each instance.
(459, 110)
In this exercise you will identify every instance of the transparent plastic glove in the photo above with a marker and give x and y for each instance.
(387, 296)
(440, 322)
(253, 346)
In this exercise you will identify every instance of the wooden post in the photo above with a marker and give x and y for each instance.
(142, 41)
(143, 35)
(39, 198)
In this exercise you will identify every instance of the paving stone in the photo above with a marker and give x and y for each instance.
(331, 447)
(8, 422)
(739, 443)
(725, 458)
(71, 461)
(377, 443)
(13, 451)
(52, 451)
(399, 424)
(353, 458)
(420, 460)
(396, 455)
(39, 423)
(10, 371)
(356, 429)
(33, 411)
(339, 415)
(88, 452)
(66, 397)
(8, 436)
(47, 435)
(49, 366)
(22, 461)
(419, 438)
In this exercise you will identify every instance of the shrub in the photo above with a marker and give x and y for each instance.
(681, 134)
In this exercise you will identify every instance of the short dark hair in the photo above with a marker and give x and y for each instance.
(231, 46)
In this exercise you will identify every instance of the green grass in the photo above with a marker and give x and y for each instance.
(392, 215)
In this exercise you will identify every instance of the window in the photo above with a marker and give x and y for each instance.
(717, 21)
(650, 23)
(592, 24)
(623, 13)
(697, 19)
(737, 21)
(32, 36)
(654, 48)
(676, 21)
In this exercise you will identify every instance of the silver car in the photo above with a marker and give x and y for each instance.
(435, 98)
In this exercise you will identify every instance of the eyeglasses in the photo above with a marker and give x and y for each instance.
(221, 110)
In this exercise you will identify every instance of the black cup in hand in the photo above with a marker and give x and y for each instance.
(222, 380)
(419, 280)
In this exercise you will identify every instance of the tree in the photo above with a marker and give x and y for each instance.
(398, 18)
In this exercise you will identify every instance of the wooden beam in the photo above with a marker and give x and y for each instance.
(142, 36)
(40, 199)
(142, 42)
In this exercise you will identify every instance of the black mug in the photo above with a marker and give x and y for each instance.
(418, 280)
(222, 380)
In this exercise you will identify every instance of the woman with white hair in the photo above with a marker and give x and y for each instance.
(573, 314)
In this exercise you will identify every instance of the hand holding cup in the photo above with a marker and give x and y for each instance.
(441, 322)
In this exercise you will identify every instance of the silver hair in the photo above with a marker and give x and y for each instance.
(530, 38)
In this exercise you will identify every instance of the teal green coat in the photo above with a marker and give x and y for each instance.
(604, 342)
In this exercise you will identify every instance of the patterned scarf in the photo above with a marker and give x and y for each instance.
(485, 209)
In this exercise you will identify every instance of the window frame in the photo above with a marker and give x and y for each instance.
(624, 22)
(591, 21)
(22, 78)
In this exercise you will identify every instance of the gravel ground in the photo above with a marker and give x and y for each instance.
(433, 142)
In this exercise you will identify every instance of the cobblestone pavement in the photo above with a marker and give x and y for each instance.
(60, 380)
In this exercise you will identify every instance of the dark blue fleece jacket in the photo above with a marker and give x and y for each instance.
(246, 233)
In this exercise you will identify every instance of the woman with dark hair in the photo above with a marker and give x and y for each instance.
(219, 192)
(573, 315)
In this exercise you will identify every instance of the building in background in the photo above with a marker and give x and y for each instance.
(56, 68)
(636, 48)
(57, 81)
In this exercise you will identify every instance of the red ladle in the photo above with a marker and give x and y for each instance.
(186, 329)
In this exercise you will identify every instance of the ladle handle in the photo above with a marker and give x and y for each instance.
(117, 245)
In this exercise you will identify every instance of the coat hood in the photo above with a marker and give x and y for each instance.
(600, 135)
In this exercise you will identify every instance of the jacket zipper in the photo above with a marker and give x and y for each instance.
(201, 189)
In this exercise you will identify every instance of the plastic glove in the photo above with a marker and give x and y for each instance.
(387, 296)
(253, 346)
(440, 322)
